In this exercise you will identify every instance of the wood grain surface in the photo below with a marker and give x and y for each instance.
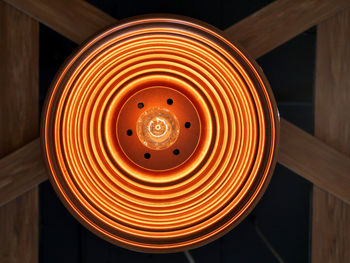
(20, 171)
(331, 216)
(280, 21)
(19, 37)
(74, 19)
(314, 160)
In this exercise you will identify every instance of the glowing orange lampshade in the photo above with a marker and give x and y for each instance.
(159, 134)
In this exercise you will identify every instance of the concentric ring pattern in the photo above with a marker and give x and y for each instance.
(189, 202)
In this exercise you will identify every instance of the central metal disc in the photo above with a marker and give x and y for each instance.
(158, 128)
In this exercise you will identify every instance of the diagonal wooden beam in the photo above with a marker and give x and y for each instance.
(280, 21)
(20, 171)
(314, 160)
(292, 144)
(74, 19)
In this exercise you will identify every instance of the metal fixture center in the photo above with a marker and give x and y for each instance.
(157, 128)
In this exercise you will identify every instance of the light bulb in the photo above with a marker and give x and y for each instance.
(157, 128)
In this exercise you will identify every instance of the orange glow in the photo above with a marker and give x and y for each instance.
(159, 134)
(157, 128)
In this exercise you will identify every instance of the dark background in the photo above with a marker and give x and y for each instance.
(283, 214)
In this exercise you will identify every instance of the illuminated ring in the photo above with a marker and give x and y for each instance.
(186, 203)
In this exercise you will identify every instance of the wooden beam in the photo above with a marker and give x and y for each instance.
(21, 171)
(77, 20)
(280, 21)
(314, 160)
(331, 216)
(19, 42)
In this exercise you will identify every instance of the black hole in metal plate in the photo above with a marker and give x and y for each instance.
(176, 152)
(169, 101)
(129, 132)
(140, 105)
(147, 155)
(187, 125)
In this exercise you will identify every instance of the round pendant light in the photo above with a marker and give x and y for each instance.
(159, 134)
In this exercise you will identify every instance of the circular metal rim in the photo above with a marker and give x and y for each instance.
(252, 204)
